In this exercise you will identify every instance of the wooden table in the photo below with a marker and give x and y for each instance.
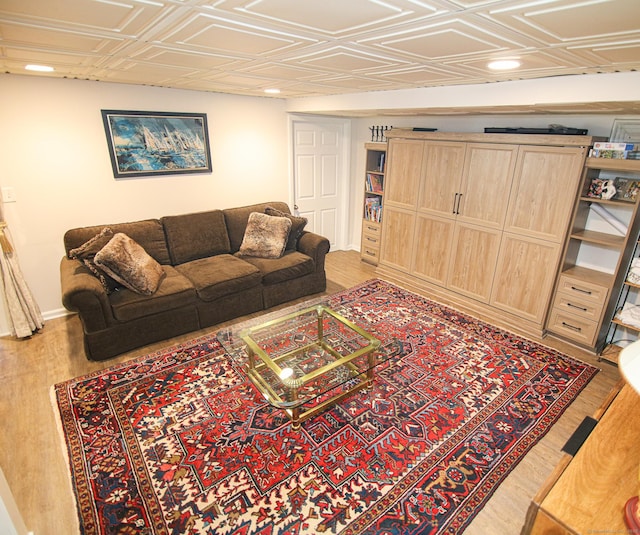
(586, 494)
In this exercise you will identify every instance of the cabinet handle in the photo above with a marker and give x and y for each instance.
(374, 241)
(576, 306)
(588, 292)
(455, 199)
(458, 207)
(572, 327)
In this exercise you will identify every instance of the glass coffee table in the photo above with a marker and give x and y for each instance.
(305, 361)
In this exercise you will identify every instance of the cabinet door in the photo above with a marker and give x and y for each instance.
(441, 178)
(432, 248)
(524, 276)
(404, 170)
(397, 238)
(473, 260)
(488, 173)
(544, 190)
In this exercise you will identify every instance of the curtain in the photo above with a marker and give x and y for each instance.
(23, 312)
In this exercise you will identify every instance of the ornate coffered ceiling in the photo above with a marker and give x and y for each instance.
(317, 47)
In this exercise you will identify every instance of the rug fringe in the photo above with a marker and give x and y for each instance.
(65, 453)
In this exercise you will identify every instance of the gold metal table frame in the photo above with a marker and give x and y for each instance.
(295, 386)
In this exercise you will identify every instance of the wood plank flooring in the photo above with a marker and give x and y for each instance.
(30, 446)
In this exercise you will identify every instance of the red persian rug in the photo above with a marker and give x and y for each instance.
(180, 442)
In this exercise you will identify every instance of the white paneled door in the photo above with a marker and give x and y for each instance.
(320, 181)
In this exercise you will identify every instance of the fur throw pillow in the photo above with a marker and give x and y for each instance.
(265, 236)
(127, 262)
(297, 226)
(86, 254)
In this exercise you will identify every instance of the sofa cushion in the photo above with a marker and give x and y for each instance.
(297, 226)
(86, 254)
(236, 219)
(148, 233)
(174, 291)
(197, 235)
(221, 275)
(290, 266)
(127, 262)
(265, 236)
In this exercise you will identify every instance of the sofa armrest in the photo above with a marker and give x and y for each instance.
(83, 293)
(315, 246)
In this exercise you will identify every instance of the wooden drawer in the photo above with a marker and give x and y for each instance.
(370, 244)
(583, 290)
(370, 255)
(576, 305)
(573, 327)
(370, 227)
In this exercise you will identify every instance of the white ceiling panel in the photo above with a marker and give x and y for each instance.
(309, 48)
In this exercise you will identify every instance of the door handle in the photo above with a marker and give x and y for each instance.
(457, 210)
(455, 199)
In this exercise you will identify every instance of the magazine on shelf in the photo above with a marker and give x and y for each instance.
(373, 209)
(626, 189)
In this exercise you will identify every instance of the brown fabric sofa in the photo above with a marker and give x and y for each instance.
(205, 280)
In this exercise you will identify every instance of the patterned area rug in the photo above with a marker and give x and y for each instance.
(180, 442)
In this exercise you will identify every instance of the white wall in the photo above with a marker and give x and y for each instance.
(53, 152)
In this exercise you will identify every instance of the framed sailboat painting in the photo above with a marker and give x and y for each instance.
(143, 143)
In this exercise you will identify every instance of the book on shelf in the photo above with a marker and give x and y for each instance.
(374, 183)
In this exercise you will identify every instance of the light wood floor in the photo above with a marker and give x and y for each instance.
(30, 446)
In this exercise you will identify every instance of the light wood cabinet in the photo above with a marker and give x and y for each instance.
(397, 242)
(432, 248)
(525, 274)
(544, 190)
(439, 181)
(473, 260)
(481, 219)
(404, 172)
(487, 177)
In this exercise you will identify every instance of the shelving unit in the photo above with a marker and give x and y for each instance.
(602, 242)
(373, 201)
(620, 329)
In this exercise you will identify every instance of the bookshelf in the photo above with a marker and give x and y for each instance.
(376, 154)
(592, 286)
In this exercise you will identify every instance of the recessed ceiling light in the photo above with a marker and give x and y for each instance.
(272, 91)
(504, 64)
(39, 68)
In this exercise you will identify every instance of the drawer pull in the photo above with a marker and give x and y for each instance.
(572, 327)
(576, 306)
(371, 239)
(370, 253)
(588, 292)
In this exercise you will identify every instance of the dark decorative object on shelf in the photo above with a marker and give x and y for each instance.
(378, 132)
